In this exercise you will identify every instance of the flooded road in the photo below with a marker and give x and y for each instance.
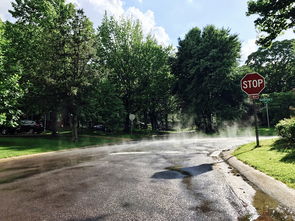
(169, 179)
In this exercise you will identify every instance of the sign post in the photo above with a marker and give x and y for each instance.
(266, 100)
(131, 118)
(252, 84)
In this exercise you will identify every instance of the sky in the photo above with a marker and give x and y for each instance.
(169, 20)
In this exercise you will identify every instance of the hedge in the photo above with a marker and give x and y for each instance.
(286, 128)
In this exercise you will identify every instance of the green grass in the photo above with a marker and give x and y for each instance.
(17, 146)
(275, 157)
(264, 131)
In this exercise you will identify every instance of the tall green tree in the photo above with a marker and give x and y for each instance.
(10, 91)
(204, 75)
(276, 64)
(138, 67)
(78, 76)
(274, 16)
(118, 49)
(156, 82)
(56, 48)
(39, 37)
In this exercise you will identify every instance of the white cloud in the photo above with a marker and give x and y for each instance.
(248, 47)
(75, 2)
(149, 26)
(115, 8)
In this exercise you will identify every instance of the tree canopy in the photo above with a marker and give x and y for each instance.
(10, 91)
(276, 64)
(138, 67)
(274, 16)
(204, 75)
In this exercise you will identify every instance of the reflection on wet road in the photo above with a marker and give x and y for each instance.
(171, 179)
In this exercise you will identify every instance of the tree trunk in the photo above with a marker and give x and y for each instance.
(145, 120)
(209, 126)
(74, 124)
(53, 123)
(127, 124)
(166, 122)
(154, 122)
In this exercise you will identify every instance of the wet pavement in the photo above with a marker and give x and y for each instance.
(169, 179)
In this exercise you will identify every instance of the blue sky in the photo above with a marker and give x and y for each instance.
(168, 20)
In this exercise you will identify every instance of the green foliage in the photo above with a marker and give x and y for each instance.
(10, 91)
(206, 80)
(118, 50)
(103, 105)
(39, 41)
(276, 64)
(54, 43)
(274, 17)
(279, 107)
(138, 68)
(286, 128)
(154, 91)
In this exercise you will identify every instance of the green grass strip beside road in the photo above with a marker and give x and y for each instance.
(17, 146)
(275, 157)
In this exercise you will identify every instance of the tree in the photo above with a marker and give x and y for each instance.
(78, 76)
(58, 47)
(118, 50)
(276, 64)
(204, 75)
(39, 40)
(138, 68)
(275, 16)
(156, 80)
(10, 91)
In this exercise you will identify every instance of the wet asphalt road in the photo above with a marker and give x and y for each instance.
(174, 179)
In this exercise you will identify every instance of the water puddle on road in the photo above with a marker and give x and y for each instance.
(269, 209)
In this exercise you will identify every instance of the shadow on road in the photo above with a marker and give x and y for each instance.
(179, 173)
(102, 217)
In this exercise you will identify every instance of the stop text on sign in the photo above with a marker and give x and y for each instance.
(252, 83)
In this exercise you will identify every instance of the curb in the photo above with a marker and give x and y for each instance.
(276, 189)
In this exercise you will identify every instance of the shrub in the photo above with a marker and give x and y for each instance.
(286, 128)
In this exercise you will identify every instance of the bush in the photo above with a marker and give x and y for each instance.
(286, 128)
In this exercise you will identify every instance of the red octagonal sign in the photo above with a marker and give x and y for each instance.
(252, 83)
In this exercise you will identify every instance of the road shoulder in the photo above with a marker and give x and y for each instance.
(276, 189)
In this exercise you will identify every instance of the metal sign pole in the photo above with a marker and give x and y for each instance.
(267, 116)
(131, 118)
(256, 123)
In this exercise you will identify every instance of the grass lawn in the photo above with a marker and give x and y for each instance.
(16, 146)
(264, 131)
(275, 157)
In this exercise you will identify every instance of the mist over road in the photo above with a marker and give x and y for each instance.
(169, 179)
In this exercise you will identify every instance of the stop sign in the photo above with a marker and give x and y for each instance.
(252, 83)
